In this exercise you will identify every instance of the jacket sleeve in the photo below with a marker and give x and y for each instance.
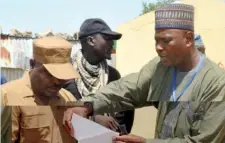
(127, 93)
(4, 101)
(212, 129)
(15, 123)
(113, 74)
(214, 88)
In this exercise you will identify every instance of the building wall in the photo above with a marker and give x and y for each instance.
(210, 23)
(137, 45)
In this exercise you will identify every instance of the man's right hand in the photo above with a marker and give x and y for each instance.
(81, 111)
(107, 122)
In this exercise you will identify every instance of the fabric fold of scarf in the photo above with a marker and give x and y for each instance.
(92, 77)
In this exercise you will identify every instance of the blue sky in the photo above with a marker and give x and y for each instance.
(65, 15)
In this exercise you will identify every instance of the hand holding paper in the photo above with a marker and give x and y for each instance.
(129, 139)
(82, 111)
(87, 131)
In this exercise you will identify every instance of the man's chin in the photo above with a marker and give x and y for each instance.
(165, 62)
(51, 94)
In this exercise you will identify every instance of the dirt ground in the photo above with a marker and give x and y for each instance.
(144, 122)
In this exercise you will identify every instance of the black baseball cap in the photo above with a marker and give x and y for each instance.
(96, 25)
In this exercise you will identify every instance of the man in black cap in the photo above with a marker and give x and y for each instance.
(96, 39)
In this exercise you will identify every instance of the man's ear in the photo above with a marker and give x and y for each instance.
(189, 38)
(91, 40)
(32, 63)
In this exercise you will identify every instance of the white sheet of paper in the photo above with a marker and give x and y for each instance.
(87, 131)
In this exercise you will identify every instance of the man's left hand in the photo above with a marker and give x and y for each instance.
(129, 139)
(68, 113)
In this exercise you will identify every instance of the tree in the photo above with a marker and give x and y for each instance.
(147, 7)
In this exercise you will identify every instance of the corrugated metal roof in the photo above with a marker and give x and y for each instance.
(11, 73)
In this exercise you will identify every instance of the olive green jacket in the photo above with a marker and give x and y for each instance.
(206, 93)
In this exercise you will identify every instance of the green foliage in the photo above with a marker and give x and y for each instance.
(147, 7)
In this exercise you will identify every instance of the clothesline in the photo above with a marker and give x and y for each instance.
(4, 36)
(15, 37)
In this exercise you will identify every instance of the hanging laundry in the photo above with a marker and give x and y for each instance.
(5, 53)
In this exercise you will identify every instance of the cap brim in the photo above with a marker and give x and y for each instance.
(114, 35)
(62, 71)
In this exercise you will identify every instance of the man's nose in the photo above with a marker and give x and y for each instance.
(159, 47)
(57, 82)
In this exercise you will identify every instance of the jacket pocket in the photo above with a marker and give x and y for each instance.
(195, 112)
(36, 129)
